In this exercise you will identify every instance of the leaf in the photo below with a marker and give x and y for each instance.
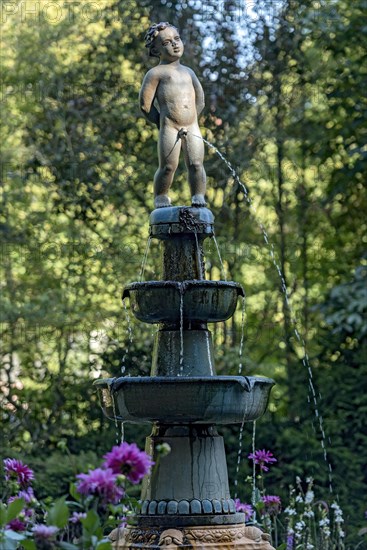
(58, 514)
(67, 546)
(91, 522)
(9, 544)
(282, 546)
(73, 492)
(104, 545)
(14, 509)
(29, 544)
(3, 514)
(13, 535)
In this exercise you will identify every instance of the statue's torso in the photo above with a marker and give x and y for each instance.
(176, 96)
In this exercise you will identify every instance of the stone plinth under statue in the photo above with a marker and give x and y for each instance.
(186, 501)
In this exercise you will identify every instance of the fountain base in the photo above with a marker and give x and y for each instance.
(215, 537)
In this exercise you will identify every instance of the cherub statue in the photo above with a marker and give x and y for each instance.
(180, 99)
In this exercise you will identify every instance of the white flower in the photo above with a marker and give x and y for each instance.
(310, 495)
(324, 522)
(338, 513)
(299, 498)
(341, 533)
(309, 514)
(290, 511)
(300, 525)
(310, 546)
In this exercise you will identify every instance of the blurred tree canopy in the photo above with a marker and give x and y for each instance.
(285, 103)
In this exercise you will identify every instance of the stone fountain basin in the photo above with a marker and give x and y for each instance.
(205, 301)
(185, 400)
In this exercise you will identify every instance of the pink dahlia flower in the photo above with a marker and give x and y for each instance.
(129, 460)
(77, 516)
(16, 470)
(262, 457)
(27, 495)
(17, 524)
(44, 532)
(100, 483)
(272, 505)
(245, 508)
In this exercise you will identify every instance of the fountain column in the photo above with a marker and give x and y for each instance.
(186, 501)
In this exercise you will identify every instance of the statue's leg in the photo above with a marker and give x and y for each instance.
(193, 149)
(169, 146)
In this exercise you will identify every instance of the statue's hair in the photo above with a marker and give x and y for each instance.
(152, 34)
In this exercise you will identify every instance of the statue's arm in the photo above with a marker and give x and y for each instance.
(147, 95)
(199, 93)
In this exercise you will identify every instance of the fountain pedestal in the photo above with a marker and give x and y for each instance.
(186, 501)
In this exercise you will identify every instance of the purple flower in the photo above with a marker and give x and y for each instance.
(129, 460)
(77, 516)
(262, 457)
(272, 505)
(20, 523)
(16, 524)
(100, 483)
(15, 469)
(44, 532)
(123, 522)
(290, 541)
(245, 508)
(27, 495)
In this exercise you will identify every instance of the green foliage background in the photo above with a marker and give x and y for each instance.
(285, 89)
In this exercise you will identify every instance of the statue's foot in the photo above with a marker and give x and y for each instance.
(161, 201)
(198, 200)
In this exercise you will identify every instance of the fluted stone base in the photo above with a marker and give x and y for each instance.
(218, 537)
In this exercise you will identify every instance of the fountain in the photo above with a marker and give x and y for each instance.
(186, 501)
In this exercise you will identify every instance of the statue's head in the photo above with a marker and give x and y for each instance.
(163, 38)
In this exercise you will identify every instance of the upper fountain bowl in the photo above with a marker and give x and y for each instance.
(173, 301)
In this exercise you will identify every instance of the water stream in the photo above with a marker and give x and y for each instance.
(222, 268)
(305, 359)
(242, 334)
(209, 354)
(129, 339)
(253, 449)
(239, 455)
(117, 433)
(181, 330)
(198, 257)
(144, 260)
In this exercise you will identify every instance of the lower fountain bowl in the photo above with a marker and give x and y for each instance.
(196, 300)
(185, 400)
